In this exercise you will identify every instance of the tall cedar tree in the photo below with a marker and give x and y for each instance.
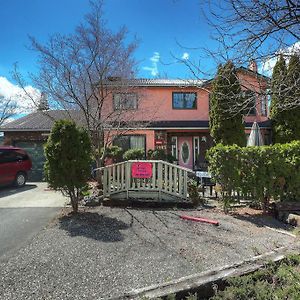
(293, 96)
(285, 91)
(226, 92)
(68, 160)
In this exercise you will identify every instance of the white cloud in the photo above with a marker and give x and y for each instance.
(185, 56)
(268, 65)
(154, 64)
(14, 92)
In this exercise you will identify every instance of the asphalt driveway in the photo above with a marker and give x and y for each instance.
(23, 213)
(104, 253)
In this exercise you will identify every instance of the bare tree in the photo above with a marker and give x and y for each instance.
(252, 32)
(254, 29)
(81, 72)
(254, 95)
(8, 109)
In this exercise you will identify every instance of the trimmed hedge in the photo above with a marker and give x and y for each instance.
(265, 172)
(133, 154)
(160, 154)
(113, 152)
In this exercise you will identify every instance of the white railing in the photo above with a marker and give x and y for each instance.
(166, 178)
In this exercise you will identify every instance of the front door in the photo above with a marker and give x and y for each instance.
(185, 151)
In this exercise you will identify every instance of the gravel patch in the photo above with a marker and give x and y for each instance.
(107, 252)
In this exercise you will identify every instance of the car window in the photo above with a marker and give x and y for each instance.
(21, 156)
(7, 156)
(11, 156)
(1, 156)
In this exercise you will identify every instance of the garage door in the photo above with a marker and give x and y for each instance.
(36, 152)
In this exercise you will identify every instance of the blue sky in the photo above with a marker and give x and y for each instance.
(158, 24)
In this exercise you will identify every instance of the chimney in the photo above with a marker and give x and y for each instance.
(253, 66)
(43, 104)
(114, 78)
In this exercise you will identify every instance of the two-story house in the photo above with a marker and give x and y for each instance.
(169, 114)
(174, 115)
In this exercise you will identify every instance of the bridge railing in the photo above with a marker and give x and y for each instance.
(166, 178)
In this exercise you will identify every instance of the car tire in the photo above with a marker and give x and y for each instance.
(20, 179)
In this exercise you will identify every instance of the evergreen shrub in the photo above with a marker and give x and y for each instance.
(133, 154)
(68, 160)
(265, 172)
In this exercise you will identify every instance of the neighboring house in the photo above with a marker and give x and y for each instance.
(31, 132)
(173, 115)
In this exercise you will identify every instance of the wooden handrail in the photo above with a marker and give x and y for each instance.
(144, 160)
(166, 179)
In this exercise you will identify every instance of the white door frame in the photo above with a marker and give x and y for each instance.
(196, 147)
(174, 146)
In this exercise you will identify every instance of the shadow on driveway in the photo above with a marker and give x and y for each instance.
(11, 190)
(261, 220)
(94, 226)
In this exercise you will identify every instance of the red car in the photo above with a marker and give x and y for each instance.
(14, 166)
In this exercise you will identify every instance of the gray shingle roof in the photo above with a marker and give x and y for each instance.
(198, 124)
(140, 82)
(42, 120)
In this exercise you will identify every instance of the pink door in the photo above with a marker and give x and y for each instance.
(185, 151)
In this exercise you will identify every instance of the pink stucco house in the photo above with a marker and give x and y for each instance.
(175, 115)
(169, 114)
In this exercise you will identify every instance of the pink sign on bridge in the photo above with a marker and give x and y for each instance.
(141, 170)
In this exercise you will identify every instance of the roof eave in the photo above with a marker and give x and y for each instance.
(24, 129)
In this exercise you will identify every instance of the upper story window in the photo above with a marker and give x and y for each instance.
(250, 103)
(125, 101)
(184, 100)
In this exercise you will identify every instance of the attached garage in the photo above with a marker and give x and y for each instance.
(36, 152)
(31, 132)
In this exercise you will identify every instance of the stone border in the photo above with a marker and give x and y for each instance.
(204, 282)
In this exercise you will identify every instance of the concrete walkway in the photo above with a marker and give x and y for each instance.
(24, 212)
(31, 195)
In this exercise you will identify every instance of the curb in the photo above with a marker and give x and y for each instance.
(204, 282)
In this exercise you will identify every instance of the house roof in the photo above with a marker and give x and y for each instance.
(159, 82)
(253, 73)
(146, 82)
(200, 124)
(241, 69)
(42, 120)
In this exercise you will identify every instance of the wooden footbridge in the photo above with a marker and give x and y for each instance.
(145, 179)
